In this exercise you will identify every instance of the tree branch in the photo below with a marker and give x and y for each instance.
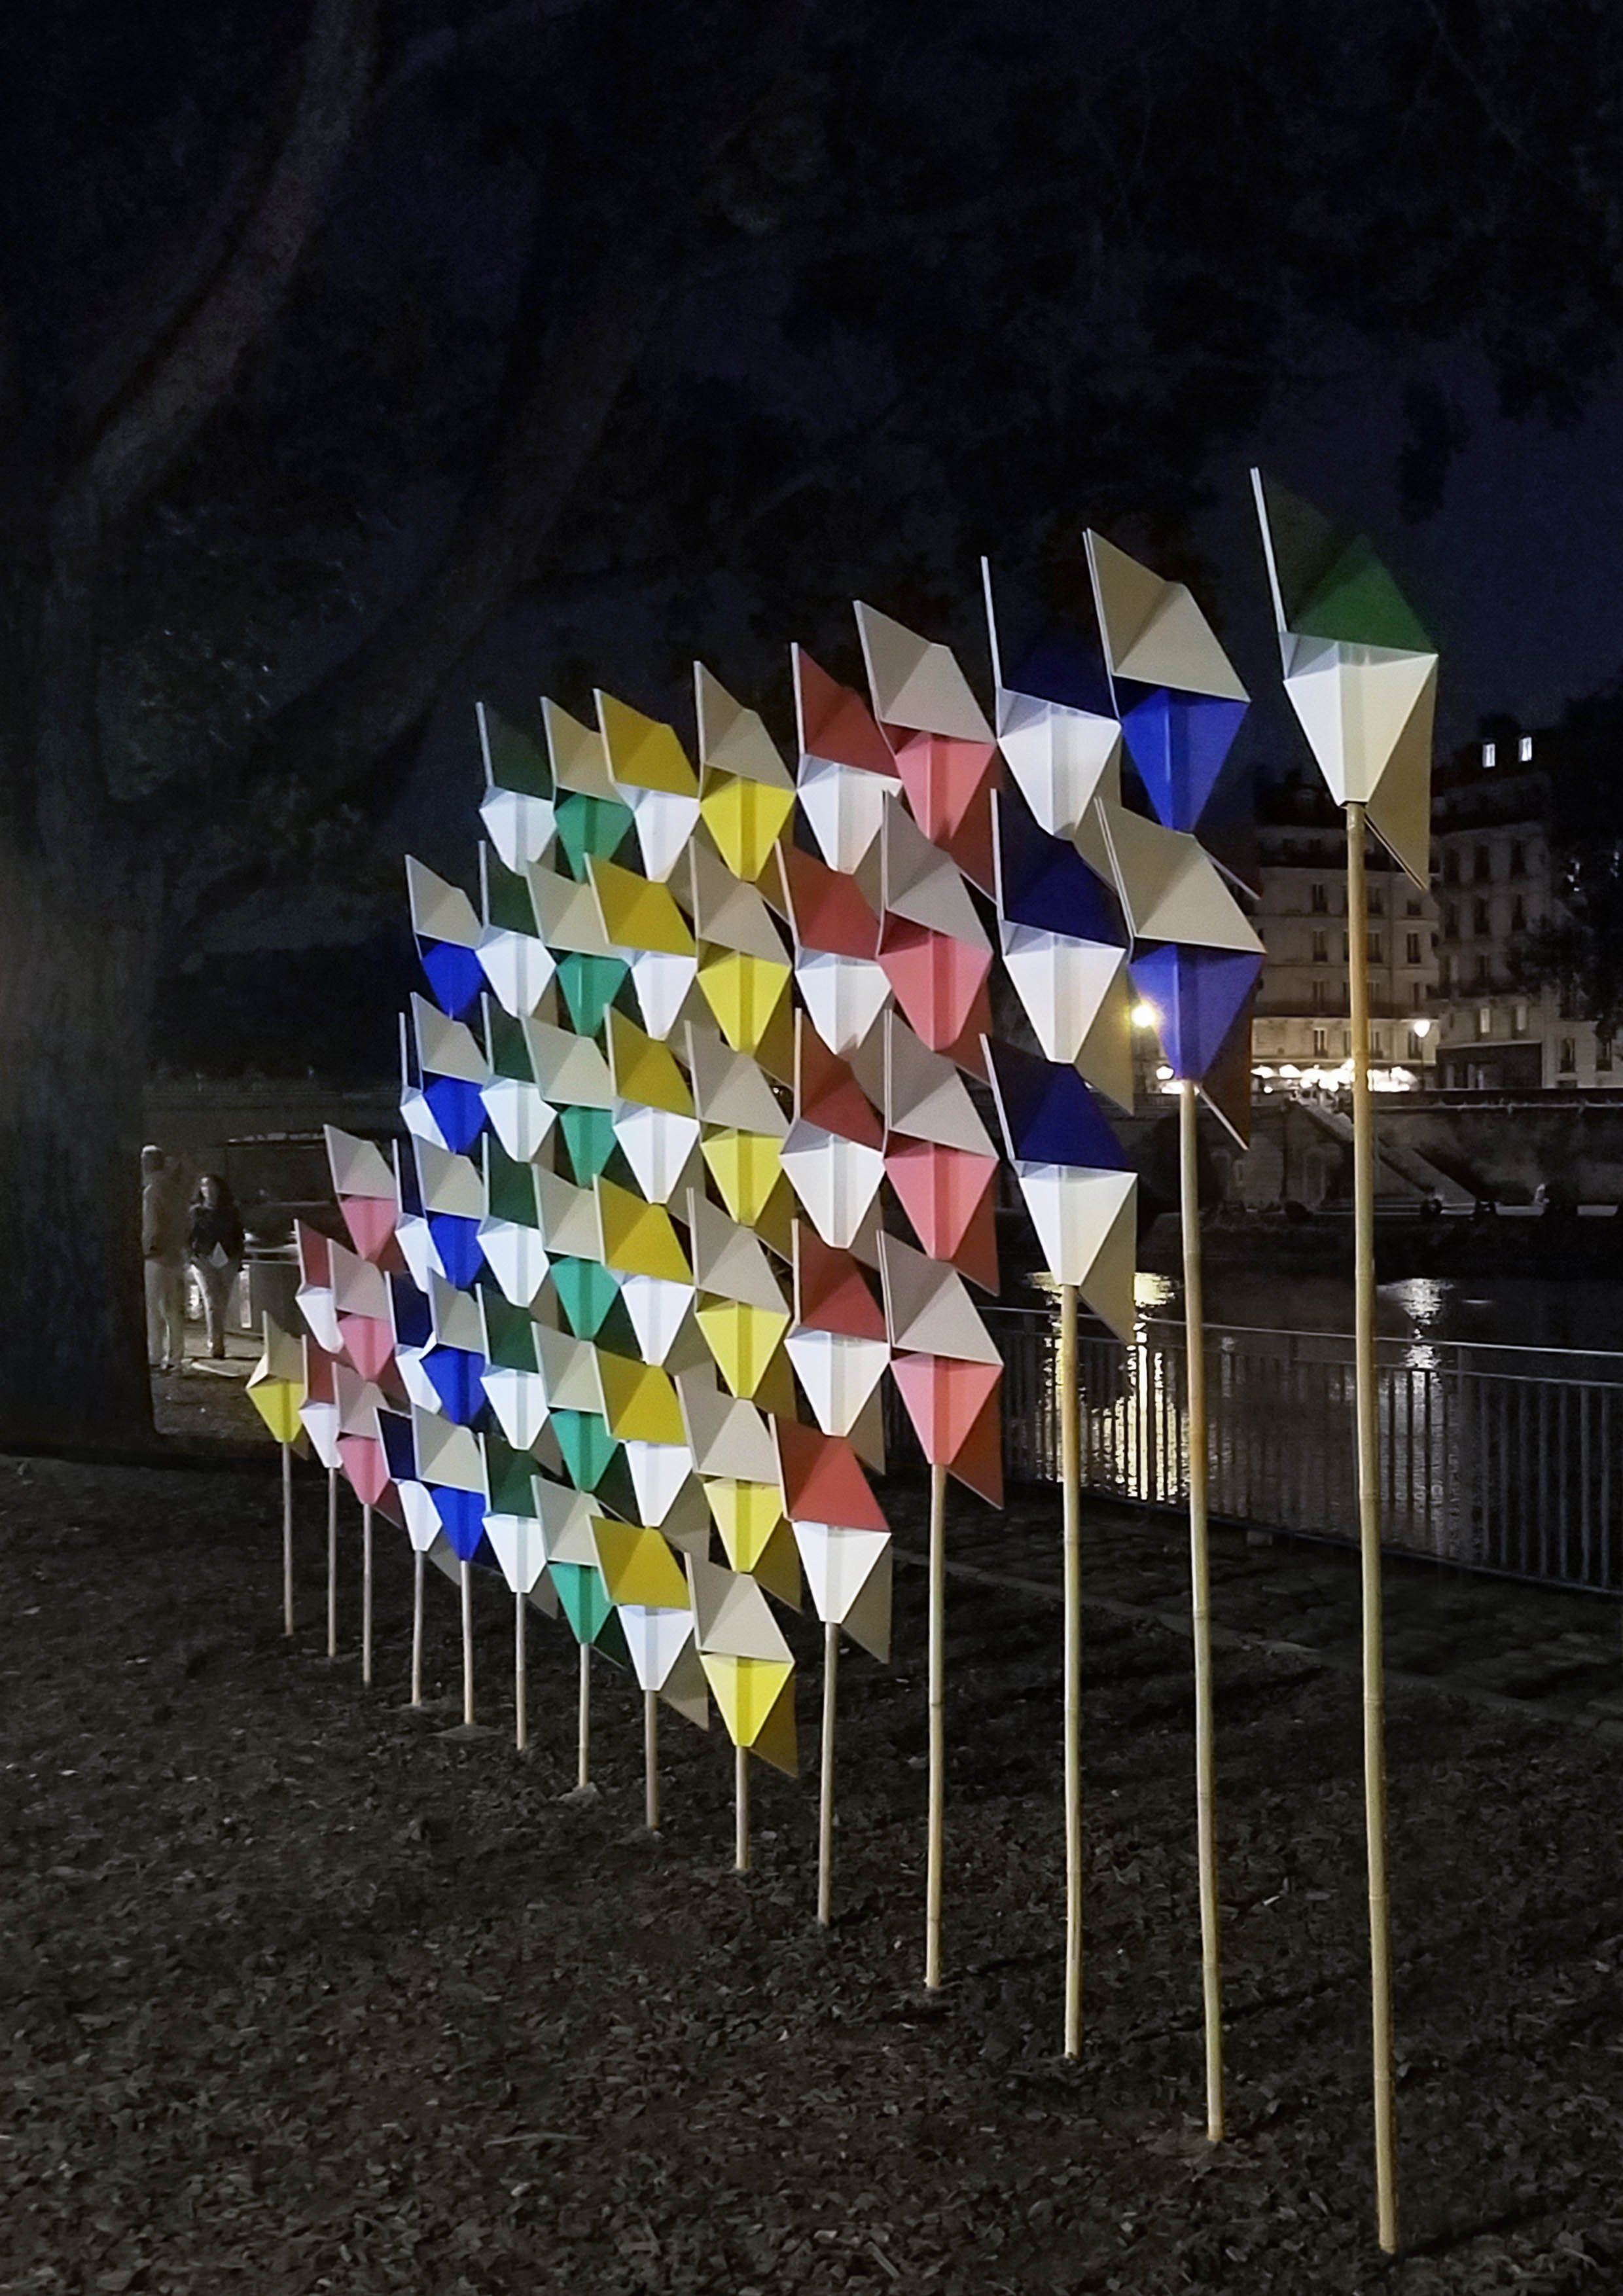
(145, 439)
(430, 52)
(336, 740)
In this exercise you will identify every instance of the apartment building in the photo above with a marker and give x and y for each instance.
(1303, 1018)
(1493, 875)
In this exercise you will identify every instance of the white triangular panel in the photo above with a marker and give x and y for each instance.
(1085, 1224)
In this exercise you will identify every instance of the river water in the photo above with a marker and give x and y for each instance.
(1497, 1312)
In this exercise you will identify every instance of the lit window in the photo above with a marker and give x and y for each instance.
(1485, 1020)
(1524, 750)
(1490, 756)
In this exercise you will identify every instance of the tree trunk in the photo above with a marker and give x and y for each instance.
(77, 965)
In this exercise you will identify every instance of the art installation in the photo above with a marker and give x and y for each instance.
(1196, 963)
(1361, 676)
(706, 1110)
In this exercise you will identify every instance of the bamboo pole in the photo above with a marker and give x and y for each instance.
(521, 1685)
(418, 1559)
(1070, 1484)
(825, 1794)
(583, 1765)
(332, 1562)
(741, 1808)
(1199, 1593)
(467, 1645)
(287, 1538)
(651, 1760)
(1369, 1542)
(365, 1594)
(938, 1735)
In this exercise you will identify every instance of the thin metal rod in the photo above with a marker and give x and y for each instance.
(583, 1765)
(825, 1791)
(1200, 1604)
(418, 1560)
(938, 1733)
(467, 1645)
(1070, 1485)
(651, 1760)
(365, 1594)
(287, 1538)
(332, 1562)
(521, 1683)
(741, 1808)
(1369, 1542)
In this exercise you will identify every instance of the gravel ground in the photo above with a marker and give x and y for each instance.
(301, 1995)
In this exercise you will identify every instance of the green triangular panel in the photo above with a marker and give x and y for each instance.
(590, 985)
(1305, 547)
(609, 1641)
(585, 1292)
(1358, 602)
(615, 1488)
(510, 1335)
(510, 906)
(510, 1186)
(509, 1052)
(617, 1333)
(514, 762)
(588, 1138)
(511, 1477)
(586, 1446)
(583, 1598)
(590, 825)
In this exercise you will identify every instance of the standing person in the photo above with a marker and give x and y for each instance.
(214, 1239)
(163, 1250)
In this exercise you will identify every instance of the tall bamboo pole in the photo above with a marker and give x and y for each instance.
(1369, 1541)
(520, 1684)
(1070, 1488)
(467, 1645)
(938, 1732)
(825, 1784)
(1199, 1590)
(651, 1760)
(582, 1721)
(332, 1562)
(741, 1808)
(418, 1560)
(365, 1594)
(287, 1537)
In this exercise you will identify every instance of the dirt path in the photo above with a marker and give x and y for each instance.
(298, 1995)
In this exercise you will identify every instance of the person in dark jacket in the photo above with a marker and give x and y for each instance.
(214, 1240)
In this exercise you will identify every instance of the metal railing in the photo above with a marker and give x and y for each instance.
(1502, 1459)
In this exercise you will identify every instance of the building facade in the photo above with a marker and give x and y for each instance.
(1303, 1017)
(1495, 877)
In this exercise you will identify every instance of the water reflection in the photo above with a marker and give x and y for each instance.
(1490, 1454)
